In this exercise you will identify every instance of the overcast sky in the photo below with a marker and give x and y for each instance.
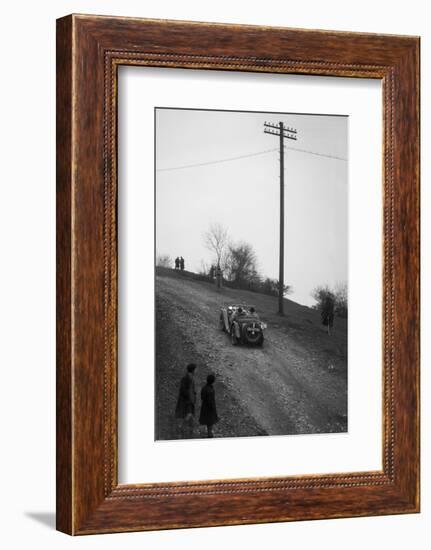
(243, 194)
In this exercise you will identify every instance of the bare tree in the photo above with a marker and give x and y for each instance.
(163, 260)
(241, 264)
(204, 269)
(341, 300)
(271, 287)
(216, 240)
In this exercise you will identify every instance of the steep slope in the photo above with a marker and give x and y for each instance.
(296, 384)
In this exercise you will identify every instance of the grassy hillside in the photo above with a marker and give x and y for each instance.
(302, 321)
(295, 384)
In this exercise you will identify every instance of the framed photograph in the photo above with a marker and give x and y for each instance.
(237, 274)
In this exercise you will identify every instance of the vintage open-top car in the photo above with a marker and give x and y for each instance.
(242, 323)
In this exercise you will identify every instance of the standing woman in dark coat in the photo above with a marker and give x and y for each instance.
(185, 408)
(208, 416)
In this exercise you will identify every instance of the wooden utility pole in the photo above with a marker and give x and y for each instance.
(289, 133)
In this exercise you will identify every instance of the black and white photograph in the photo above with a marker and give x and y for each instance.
(214, 235)
(250, 274)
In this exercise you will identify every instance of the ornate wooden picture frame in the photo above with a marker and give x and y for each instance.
(89, 51)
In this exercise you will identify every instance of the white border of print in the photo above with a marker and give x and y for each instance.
(143, 460)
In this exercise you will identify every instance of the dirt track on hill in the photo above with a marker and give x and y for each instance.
(295, 384)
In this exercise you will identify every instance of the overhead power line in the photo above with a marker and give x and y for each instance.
(239, 157)
(218, 161)
(314, 153)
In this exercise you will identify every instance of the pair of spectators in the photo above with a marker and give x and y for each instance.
(186, 403)
(179, 263)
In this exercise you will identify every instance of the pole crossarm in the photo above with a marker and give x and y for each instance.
(278, 129)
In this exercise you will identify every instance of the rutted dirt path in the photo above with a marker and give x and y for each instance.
(297, 383)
